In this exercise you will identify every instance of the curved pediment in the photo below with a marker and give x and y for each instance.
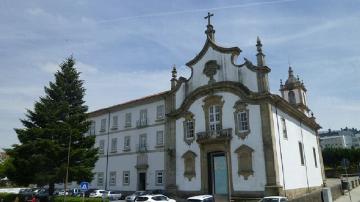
(209, 43)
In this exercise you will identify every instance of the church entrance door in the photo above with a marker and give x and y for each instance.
(218, 176)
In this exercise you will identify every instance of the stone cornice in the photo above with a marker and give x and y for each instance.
(247, 96)
(129, 104)
(210, 43)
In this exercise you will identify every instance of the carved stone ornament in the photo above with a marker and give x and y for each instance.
(245, 167)
(189, 164)
(210, 70)
(241, 106)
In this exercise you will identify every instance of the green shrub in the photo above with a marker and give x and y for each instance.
(77, 199)
(8, 197)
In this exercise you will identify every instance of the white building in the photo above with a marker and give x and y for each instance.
(340, 141)
(220, 132)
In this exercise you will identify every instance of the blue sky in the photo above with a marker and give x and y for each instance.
(125, 49)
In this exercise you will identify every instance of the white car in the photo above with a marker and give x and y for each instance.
(274, 199)
(201, 198)
(97, 193)
(114, 195)
(154, 198)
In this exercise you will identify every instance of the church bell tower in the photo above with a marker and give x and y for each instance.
(294, 92)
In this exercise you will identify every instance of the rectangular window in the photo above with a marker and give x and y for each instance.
(143, 118)
(100, 179)
(142, 142)
(160, 138)
(101, 146)
(114, 145)
(92, 128)
(243, 121)
(315, 161)
(283, 125)
(301, 151)
(103, 125)
(126, 177)
(112, 181)
(159, 177)
(127, 143)
(127, 120)
(189, 129)
(214, 118)
(160, 112)
(114, 123)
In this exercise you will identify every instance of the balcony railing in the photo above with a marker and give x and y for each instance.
(212, 135)
(142, 161)
(141, 123)
(141, 148)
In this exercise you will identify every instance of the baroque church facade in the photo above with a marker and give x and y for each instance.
(220, 131)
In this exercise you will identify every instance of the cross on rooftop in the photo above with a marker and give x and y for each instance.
(208, 17)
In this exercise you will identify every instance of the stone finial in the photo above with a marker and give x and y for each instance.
(260, 55)
(210, 32)
(173, 77)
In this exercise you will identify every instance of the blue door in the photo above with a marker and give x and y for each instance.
(219, 174)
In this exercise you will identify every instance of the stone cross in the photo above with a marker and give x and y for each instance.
(208, 17)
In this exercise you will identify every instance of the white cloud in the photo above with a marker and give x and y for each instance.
(36, 11)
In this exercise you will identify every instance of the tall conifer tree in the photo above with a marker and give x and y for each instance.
(58, 120)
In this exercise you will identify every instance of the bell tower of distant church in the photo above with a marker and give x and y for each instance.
(294, 92)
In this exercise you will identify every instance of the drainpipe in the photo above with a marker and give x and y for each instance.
(107, 152)
(281, 156)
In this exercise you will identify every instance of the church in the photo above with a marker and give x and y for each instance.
(220, 132)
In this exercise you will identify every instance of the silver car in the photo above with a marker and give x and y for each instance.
(132, 197)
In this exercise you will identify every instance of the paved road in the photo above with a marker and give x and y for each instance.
(355, 196)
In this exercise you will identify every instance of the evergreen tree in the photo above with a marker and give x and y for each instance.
(59, 120)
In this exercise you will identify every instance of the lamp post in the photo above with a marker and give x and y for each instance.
(67, 167)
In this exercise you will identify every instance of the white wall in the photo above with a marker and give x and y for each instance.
(254, 140)
(121, 160)
(296, 175)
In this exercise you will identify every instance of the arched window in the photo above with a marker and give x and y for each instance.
(291, 95)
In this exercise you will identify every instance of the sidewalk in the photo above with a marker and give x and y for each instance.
(355, 196)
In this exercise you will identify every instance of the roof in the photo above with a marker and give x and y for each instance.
(128, 104)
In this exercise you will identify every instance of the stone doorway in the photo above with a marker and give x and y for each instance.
(218, 176)
(142, 181)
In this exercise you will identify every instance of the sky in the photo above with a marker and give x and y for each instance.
(125, 49)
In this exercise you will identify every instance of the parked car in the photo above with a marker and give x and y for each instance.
(75, 192)
(132, 197)
(201, 198)
(114, 195)
(97, 193)
(274, 199)
(88, 192)
(154, 198)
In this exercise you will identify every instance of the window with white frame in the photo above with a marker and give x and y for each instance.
(283, 126)
(159, 177)
(100, 179)
(92, 128)
(101, 146)
(243, 121)
(126, 177)
(127, 143)
(127, 120)
(114, 122)
(160, 112)
(114, 145)
(103, 125)
(142, 142)
(143, 118)
(214, 118)
(189, 129)
(112, 181)
(160, 138)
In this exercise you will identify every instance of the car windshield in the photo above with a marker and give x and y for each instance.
(270, 200)
(194, 200)
(138, 193)
(141, 198)
(159, 198)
